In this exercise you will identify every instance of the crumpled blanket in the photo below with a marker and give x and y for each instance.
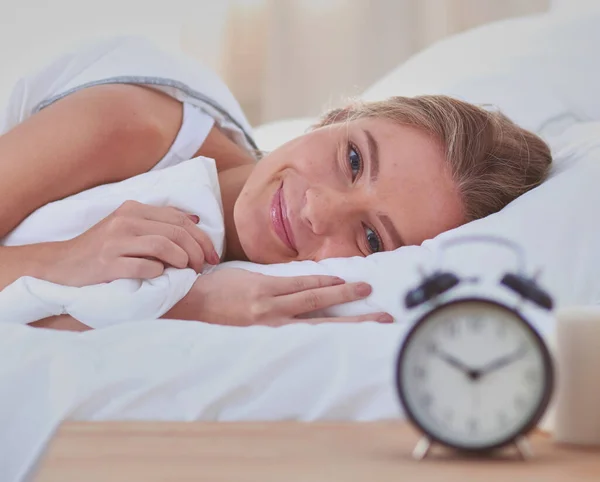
(191, 186)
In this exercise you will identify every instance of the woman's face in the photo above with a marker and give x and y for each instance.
(349, 189)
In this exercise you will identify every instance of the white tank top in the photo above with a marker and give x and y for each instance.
(195, 127)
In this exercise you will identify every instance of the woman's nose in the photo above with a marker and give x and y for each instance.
(326, 209)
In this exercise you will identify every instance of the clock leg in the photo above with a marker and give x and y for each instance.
(524, 448)
(422, 448)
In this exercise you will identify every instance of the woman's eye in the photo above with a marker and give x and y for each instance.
(373, 240)
(354, 160)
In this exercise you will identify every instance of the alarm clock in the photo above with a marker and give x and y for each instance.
(473, 374)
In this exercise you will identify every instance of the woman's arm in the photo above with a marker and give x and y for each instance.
(259, 300)
(95, 136)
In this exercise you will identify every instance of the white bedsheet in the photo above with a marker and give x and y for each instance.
(176, 370)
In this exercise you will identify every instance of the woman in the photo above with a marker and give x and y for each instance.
(368, 178)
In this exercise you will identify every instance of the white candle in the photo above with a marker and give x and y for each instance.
(577, 407)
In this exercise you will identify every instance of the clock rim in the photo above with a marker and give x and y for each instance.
(524, 429)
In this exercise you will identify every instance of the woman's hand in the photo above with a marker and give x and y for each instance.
(135, 241)
(241, 298)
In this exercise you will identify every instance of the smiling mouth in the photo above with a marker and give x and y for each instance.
(280, 221)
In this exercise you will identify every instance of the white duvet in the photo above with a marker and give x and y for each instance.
(192, 186)
(176, 370)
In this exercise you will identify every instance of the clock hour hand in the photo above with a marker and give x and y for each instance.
(504, 361)
(455, 362)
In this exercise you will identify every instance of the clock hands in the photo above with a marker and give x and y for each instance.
(475, 374)
(455, 362)
(504, 360)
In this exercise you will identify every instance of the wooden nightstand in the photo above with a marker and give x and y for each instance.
(285, 452)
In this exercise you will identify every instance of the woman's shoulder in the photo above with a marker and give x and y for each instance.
(95, 136)
(134, 109)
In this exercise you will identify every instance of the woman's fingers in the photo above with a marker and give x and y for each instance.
(319, 298)
(289, 285)
(158, 247)
(210, 253)
(177, 221)
(176, 235)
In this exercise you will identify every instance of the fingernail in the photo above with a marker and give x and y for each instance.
(363, 289)
(385, 318)
(338, 281)
(194, 218)
(215, 258)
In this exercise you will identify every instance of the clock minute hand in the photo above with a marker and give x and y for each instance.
(503, 361)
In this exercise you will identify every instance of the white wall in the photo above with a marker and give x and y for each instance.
(281, 58)
(33, 31)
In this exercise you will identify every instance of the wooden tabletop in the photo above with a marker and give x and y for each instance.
(287, 452)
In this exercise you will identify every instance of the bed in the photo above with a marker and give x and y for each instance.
(186, 371)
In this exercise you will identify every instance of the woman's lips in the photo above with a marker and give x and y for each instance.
(280, 220)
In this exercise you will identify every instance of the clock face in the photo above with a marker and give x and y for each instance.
(473, 375)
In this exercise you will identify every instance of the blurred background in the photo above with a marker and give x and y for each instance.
(281, 58)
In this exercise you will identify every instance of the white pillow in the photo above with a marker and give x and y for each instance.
(539, 70)
(269, 137)
(507, 64)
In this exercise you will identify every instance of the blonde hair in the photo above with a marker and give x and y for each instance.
(491, 159)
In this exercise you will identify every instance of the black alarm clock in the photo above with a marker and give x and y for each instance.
(473, 374)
